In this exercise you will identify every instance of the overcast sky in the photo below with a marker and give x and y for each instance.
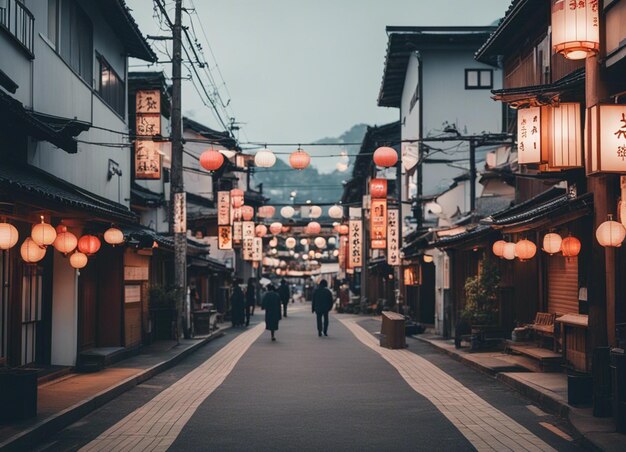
(301, 70)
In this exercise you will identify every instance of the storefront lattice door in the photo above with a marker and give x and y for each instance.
(32, 289)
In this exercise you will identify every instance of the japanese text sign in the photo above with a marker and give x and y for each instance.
(223, 208)
(224, 238)
(378, 224)
(355, 241)
(393, 237)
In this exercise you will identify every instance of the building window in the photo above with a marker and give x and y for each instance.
(111, 87)
(19, 22)
(71, 33)
(478, 78)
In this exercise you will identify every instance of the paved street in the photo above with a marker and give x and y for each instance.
(342, 392)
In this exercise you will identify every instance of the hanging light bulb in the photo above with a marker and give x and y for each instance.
(264, 158)
(8, 236)
(43, 233)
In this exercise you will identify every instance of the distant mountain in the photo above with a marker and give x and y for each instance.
(321, 182)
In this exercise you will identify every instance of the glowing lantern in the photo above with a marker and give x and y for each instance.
(315, 212)
(343, 229)
(336, 253)
(247, 213)
(525, 250)
(378, 188)
(610, 233)
(43, 233)
(266, 211)
(276, 228)
(260, 230)
(290, 242)
(304, 242)
(89, 244)
(552, 243)
(299, 159)
(428, 258)
(313, 228)
(571, 246)
(320, 242)
(8, 236)
(211, 160)
(273, 242)
(335, 212)
(113, 236)
(264, 158)
(508, 251)
(606, 138)
(575, 28)
(66, 241)
(236, 197)
(385, 156)
(78, 260)
(332, 240)
(285, 229)
(287, 212)
(31, 251)
(305, 257)
(498, 248)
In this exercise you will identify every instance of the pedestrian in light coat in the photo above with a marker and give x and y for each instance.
(285, 294)
(237, 304)
(271, 304)
(322, 304)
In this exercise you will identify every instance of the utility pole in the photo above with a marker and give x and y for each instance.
(178, 210)
(472, 156)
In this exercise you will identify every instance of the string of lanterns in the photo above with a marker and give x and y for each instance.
(44, 235)
(525, 249)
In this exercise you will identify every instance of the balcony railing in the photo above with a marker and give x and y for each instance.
(19, 22)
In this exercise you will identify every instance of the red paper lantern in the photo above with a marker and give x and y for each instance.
(385, 156)
(299, 159)
(247, 213)
(236, 197)
(378, 188)
(570, 246)
(260, 230)
(88, 244)
(343, 229)
(211, 160)
(313, 228)
(276, 228)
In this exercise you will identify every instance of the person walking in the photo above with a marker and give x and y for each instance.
(271, 304)
(285, 294)
(237, 304)
(250, 299)
(322, 304)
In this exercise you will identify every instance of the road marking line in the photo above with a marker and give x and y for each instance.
(486, 427)
(536, 411)
(557, 431)
(157, 424)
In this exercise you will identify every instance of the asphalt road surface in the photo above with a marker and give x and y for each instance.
(304, 392)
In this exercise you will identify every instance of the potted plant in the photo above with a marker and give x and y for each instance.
(163, 312)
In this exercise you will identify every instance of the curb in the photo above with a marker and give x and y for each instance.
(46, 427)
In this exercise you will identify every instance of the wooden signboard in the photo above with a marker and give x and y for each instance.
(378, 224)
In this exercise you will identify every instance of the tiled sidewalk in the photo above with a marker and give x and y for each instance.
(547, 389)
(67, 399)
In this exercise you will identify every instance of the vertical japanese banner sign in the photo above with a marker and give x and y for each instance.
(393, 238)
(223, 208)
(180, 213)
(355, 244)
(237, 231)
(224, 238)
(247, 230)
(148, 124)
(248, 249)
(378, 224)
(257, 249)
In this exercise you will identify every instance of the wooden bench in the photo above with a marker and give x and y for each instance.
(543, 325)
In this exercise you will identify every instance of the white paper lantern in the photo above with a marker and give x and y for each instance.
(332, 240)
(264, 158)
(315, 212)
(335, 212)
(8, 236)
(273, 242)
(31, 252)
(43, 233)
(290, 242)
(320, 242)
(78, 260)
(287, 212)
(610, 233)
(65, 242)
(304, 242)
(508, 251)
(113, 236)
(575, 28)
(552, 243)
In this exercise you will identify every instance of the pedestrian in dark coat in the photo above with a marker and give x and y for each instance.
(237, 305)
(250, 299)
(271, 304)
(322, 304)
(285, 294)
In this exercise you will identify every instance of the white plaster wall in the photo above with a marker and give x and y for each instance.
(64, 312)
